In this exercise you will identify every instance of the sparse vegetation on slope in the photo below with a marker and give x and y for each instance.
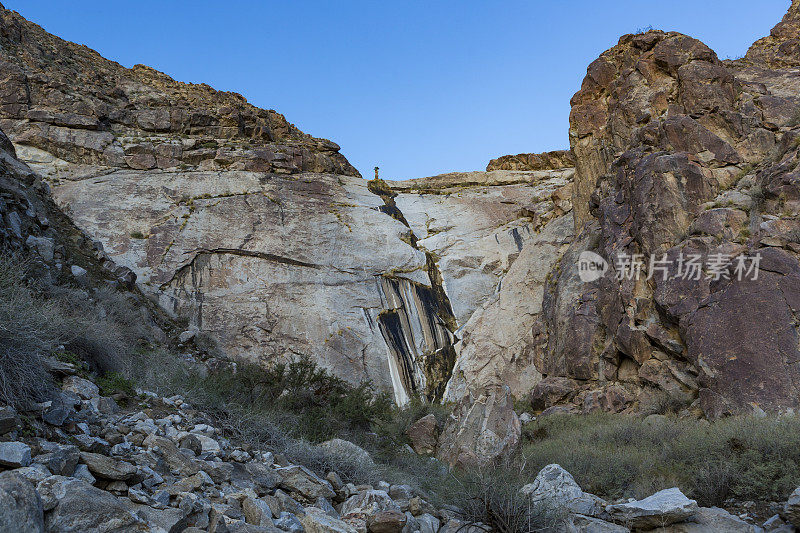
(615, 456)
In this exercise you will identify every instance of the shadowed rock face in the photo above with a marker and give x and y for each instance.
(680, 153)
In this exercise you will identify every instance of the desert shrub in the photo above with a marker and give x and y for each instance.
(629, 456)
(300, 397)
(394, 427)
(30, 329)
(491, 496)
(113, 383)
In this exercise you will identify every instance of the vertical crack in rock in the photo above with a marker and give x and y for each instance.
(418, 323)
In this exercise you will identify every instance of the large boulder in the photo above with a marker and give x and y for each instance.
(20, 505)
(555, 488)
(661, 509)
(480, 430)
(423, 435)
(344, 449)
(301, 480)
(76, 506)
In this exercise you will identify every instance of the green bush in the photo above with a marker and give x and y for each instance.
(627, 456)
(301, 397)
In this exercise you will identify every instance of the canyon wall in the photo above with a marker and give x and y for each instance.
(462, 285)
(261, 235)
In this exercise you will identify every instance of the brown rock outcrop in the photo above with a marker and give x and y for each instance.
(554, 160)
(69, 101)
(678, 153)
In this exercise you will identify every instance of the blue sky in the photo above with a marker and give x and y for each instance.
(418, 88)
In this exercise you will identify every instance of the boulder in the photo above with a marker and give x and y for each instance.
(422, 435)
(15, 454)
(289, 523)
(20, 506)
(257, 512)
(587, 524)
(345, 449)
(318, 521)
(303, 481)
(711, 520)
(481, 429)
(74, 505)
(389, 521)
(792, 508)
(555, 488)
(8, 419)
(661, 509)
(84, 388)
(59, 459)
(106, 467)
(367, 503)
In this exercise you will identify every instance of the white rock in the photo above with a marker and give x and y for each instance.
(556, 487)
(661, 509)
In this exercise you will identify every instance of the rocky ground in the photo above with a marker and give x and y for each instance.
(80, 462)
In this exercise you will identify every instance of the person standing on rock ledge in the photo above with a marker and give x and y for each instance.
(376, 172)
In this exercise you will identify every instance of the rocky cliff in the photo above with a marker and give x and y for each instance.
(679, 154)
(257, 233)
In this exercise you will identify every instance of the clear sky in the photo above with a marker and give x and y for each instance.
(416, 87)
